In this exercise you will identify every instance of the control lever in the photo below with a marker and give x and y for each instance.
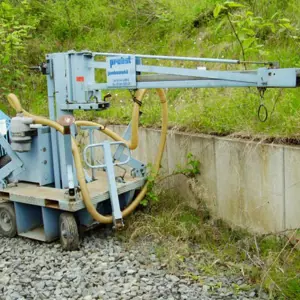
(107, 96)
(42, 67)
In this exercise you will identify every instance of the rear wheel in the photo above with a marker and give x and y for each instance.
(8, 226)
(69, 234)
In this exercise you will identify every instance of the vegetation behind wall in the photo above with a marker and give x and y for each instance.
(250, 29)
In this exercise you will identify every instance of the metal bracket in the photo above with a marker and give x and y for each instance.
(109, 168)
(70, 182)
(104, 145)
(14, 167)
(138, 168)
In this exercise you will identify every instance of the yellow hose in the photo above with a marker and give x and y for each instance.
(15, 103)
(163, 136)
(133, 143)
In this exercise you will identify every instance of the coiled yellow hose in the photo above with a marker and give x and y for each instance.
(15, 103)
(133, 143)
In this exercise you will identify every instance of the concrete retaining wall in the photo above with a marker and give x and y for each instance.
(252, 185)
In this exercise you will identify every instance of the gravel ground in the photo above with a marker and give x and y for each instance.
(103, 268)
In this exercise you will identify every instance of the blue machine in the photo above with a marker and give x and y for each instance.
(41, 194)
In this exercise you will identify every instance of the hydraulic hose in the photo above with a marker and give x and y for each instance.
(15, 103)
(163, 136)
(133, 143)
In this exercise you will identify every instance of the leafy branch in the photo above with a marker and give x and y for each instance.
(192, 167)
(251, 31)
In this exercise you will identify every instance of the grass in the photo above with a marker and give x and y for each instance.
(216, 111)
(182, 235)
(168, 27)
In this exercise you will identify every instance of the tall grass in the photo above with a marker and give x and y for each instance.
(181, 235)
(166, 27)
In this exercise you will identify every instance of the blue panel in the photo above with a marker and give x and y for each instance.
(51, 223)
(2, 150)
(38, 162)
(14, 167)
(54, 148)
(63, 90)
(84, 217)
(70, 180)
(126, 198)
(3, 116)
(28, 217)
(105, 208)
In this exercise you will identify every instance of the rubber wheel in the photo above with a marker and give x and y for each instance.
(8, 225)
(69, 234)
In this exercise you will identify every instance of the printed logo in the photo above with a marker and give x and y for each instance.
(120, 61)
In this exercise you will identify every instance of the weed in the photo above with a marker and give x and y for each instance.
(184, 28)
(182, 234)
(151, 195)
(192, 168)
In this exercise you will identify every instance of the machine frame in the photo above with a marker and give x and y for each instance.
(45, 212)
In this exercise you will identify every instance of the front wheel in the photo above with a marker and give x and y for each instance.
(8, 225)
(69, 234)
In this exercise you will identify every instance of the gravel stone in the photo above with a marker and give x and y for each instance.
(252, 294)
(103, 268)
(205, 288)
(4, 280)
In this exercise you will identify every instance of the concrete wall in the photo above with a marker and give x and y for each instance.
(249, 184)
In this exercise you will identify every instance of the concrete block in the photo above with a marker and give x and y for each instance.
(180, 187)
(229, 183)
(149, 143)
(140, 152)
(250, 187)
(171, 153)
(205, 187)
(182, 148)
(178, 146)
(152, 142)
(292, 187)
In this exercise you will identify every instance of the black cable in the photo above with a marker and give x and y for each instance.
(259, 113)
(134, 99)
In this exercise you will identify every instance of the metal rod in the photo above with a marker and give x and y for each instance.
(250, 62)
(54, 140)
(91, 137)
(182, 58)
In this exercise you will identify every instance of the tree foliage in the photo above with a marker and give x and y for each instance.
(16, 27)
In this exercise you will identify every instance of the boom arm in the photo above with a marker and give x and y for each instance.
(124, 71)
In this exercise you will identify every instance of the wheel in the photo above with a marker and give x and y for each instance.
(69, 235)
(8, 225)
